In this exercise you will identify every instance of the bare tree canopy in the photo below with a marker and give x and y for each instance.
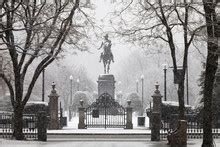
(37, 32)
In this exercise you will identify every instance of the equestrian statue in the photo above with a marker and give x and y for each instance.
(106, 56)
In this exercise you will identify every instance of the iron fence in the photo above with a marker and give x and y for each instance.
(29, 126)
(194, 126)
(6, 125)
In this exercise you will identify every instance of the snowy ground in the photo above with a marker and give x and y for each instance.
(73, 124)
(95, 143)
(127, 138)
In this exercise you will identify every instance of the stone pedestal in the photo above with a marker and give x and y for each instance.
(156, 115)
(129, 124)
(81, 109)
(155, 130)
(81, 124)
(106, 84)
(53, 109)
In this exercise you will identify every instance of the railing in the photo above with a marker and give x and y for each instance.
(6, 125)
(30, 126)
(194, 127)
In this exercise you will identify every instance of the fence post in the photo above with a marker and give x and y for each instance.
(129, 124)
(42, 126)
(53, 109)
(81, 124)
(156, 115)
(61, 116)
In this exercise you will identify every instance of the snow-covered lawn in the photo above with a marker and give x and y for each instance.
(73, 124)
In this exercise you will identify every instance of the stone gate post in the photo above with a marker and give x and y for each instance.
(81, 124)
(129, 124)
(53, 109)
(156, 115)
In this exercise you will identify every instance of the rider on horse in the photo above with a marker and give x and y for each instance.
(107, 48)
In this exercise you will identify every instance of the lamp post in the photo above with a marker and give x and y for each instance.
(141, 119)
(142, 95)
(187, 85)
(137, 85)
(71, 97)
(77, 84)
(165, 81)
(43, 84)
(120, 97)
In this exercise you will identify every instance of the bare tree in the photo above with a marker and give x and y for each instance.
(210, 70)
(174, 23)
(36, 32)
(165, 21)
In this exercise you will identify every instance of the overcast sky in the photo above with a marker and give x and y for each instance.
(91, 60)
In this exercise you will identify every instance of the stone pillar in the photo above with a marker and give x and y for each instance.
(53, 109)
(129, 124)
(42, 126)
(106, 84)
(156, 115)
(61, 116)
(81, 124)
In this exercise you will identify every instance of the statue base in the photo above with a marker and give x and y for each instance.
(106, 84)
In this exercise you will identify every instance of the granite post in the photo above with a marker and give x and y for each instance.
(129, 124)
(156, 115)
(53, 109)
(81, 124)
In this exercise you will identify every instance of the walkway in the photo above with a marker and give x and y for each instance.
(94, 143)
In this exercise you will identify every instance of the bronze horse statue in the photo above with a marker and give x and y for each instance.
(106, 56)
(106, 59)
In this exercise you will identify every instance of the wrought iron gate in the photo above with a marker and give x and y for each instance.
(105, 113)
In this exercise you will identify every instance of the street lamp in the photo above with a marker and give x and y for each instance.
(77, 84)
(71, 97)
(141, 119)
(165, 81)
(120, 97)
(137, 85)
(142, 95)
(43, 84)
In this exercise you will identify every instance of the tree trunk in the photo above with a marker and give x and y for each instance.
(208, 97)
(18, 123)
(211, 68)
(181, 100)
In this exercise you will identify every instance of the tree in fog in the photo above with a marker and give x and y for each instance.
(37, 32)
(175, 24)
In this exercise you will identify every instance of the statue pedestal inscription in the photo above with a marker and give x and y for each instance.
(106, 84)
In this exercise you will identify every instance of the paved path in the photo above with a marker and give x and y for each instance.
(95, 143)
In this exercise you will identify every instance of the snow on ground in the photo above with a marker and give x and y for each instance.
(95, 143)
(73, 124)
